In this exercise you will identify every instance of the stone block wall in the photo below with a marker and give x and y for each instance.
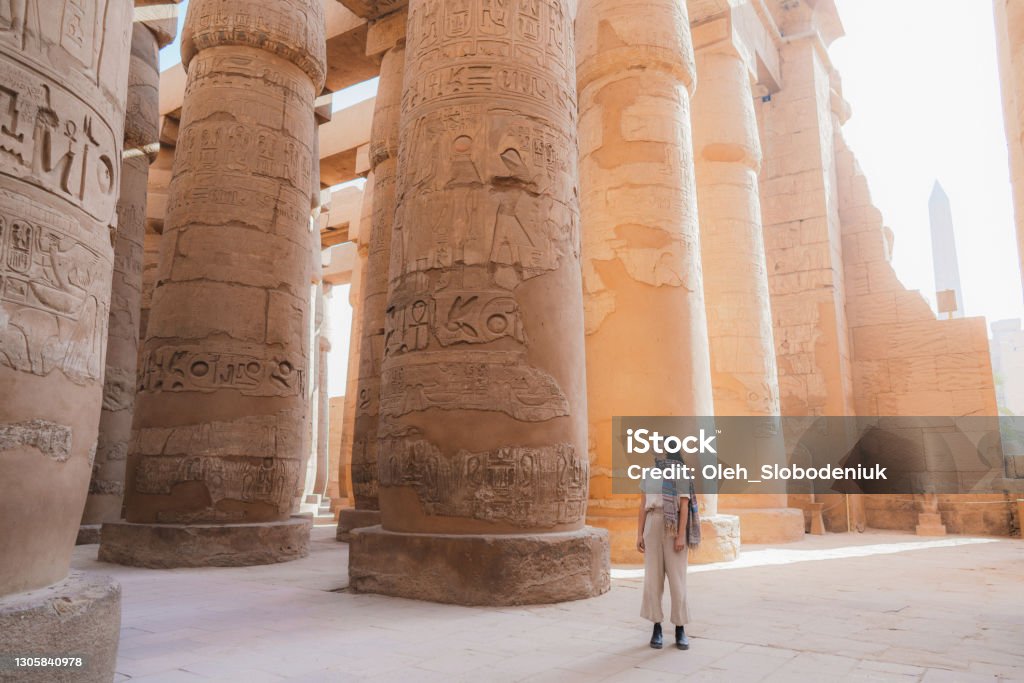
(906, 361)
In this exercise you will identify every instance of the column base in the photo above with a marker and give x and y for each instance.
(719, 539)
(88, 533)
(621, 536)
(79, 616)
(769, 525)
(930, 524)
(350, 519)
(166, 546)
(493, 570)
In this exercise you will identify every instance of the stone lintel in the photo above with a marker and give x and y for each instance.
(340, 140)
(347, 60)
(164, 546)
(342, 216)
(79, 616)
(386, 33)
(518, 569)
(172, 90)
(160, 17)
(323, 108)
(373, 9)
(340, 262)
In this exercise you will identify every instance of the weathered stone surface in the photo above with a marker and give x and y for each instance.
(643, 287)
(373, 9)
(476, 569)
(88, 534)
(768, 525)
(744, 376)
(482, 424)
(1009, 25)
(64, 73)
(141, 144)
(720, 539)
(160, 17)
(77, 616)
(374, 285)
(799, 218)
(161, 546)
(223, 403)
(350, 519)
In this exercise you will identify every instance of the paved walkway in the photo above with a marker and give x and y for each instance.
(868, 607)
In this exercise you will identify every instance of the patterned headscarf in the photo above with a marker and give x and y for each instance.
(670, 506)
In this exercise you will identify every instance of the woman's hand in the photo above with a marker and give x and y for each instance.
(680, 543)
(640, 544)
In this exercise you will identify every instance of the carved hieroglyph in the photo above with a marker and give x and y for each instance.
(227, 338)
(482, 347)
(63, 75)
(374, 286)
(647, 349)
(106, 487)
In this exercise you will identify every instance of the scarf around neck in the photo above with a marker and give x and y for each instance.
(670, 507)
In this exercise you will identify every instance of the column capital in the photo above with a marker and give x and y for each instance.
(745, 28)
(290, 29)
(647, 34)
(805, 18)
(142, 121)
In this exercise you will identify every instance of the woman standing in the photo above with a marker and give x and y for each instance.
(667, 526)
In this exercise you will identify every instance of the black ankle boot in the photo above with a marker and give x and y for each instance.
(656, 640)
(682, 642)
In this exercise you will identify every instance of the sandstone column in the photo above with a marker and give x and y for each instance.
(63, 79)
(323, 405)
(1009, 23)
(308, 502)
(315, 484)
(647, 348)
(106, 488)
(373, 294)
(346, 496)
(222, 404)
(156, 202)
(482, 430)
(744, 377)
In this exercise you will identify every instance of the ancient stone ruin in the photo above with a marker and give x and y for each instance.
(572, 211)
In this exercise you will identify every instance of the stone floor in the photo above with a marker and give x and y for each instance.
(868, 607)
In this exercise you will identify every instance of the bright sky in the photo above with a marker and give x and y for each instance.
(922, 79)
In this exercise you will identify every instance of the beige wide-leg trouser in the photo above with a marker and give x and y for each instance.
(660, 561)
